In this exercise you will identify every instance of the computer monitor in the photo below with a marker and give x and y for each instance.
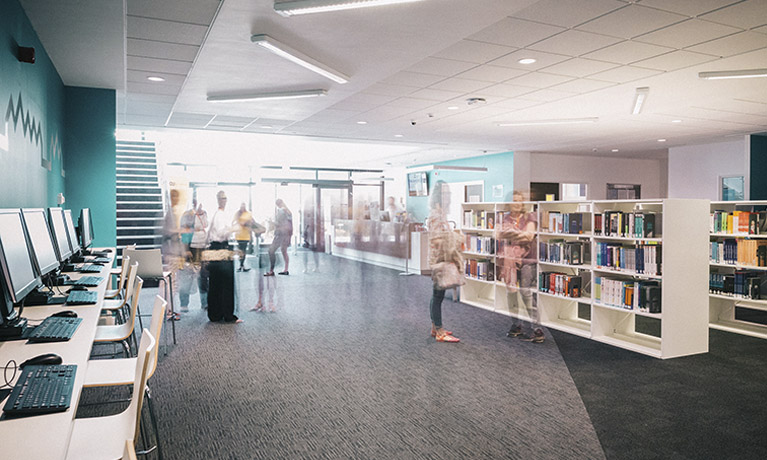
(71, 232)
(17, 267)
(86, 228)
(59, 228)
(41, 240)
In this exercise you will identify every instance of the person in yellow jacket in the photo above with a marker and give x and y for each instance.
(245, 225)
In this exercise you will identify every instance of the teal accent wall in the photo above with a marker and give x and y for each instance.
(500, 171)
(31, 117)
(90, 121)
(758, 168)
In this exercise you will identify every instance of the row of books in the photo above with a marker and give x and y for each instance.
(748, 284)
(631, 295)
(636, 224)
(482, 270)
(479, 219)
(557, 222)
(742, 222)
(642, 258)
(480, 244)
(560, 284)
(743, 252)
(563, 252)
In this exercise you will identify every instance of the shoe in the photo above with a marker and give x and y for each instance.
(537, 337)
(447, 338)
(239, 269)
(434, 332)
(246, 269)
(257, 307)
(515, 331)
(284, 273)
(172, 317)
(272, 309)
(269, 274)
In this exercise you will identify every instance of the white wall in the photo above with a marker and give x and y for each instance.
(596, 172)
(694, 171)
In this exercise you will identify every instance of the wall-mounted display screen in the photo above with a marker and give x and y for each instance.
(417, 184)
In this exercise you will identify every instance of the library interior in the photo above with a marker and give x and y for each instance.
(226, 226)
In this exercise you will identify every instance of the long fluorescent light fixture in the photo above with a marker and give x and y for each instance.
(639, 98)
(295, 7)
(566, 121)
(459, 168)
(266, 96)
(727, 74)
(284, 51)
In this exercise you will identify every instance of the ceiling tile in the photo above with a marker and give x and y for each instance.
(165, 31)
(389, 90)
(538, 80)
(687, 7)
(752, 13)
(441, 67)
(547, 95)
(687, 33)
(542, 60)
(733, 44)
(574, 43)
(143, 120)
(414, 79)
(628, 52)
(579, 67)
(157, 98)
(474, 51)
(161, 50)
(436, 95)
(761, 30)
(631, 21)
(413, 103)
(460, 85)
(150, 88)
(194, 11)
(385, 113)
(147, 108)
(582, 85)
(158, 65)
(624, 74)
(369, 99)
(516, 32)
(515, 104)
(491, 73)
(567, 13)
(504, 90)
(675, 60)
(335, 116)
(224, 121)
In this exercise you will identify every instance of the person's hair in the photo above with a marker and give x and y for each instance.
(220, 194)
(437, 195)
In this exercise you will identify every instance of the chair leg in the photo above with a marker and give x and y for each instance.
(169, 298)
(153, 419)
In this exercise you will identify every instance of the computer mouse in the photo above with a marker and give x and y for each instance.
(107, 250)
(41, 360)
(65, 314)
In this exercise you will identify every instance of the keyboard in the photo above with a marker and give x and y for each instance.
(82, 297)
(54, 329)
(89, 268)
(42, 390)
(99, 260)
(90, 281)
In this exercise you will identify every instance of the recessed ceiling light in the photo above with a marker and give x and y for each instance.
(639, 97)
(661, 140)
(362, 122)
(265, 127)
(398, 135)
(155, 78)
(527, 61)
(453, 107)
(615, 150)
(266, 96)
(676, 121)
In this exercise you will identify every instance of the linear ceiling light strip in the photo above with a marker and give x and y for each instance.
(266, 96)
(286, 52)
(728, 74)
(295, 7)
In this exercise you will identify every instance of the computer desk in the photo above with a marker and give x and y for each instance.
(47, 436)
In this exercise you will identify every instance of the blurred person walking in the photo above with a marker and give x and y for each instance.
(221, 265)
(283, 232)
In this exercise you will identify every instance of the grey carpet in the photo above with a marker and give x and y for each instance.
(346, 369)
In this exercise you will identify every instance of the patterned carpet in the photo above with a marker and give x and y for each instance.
(346, 369)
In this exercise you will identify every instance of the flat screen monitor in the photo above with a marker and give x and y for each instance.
(59, 228)
(41, 240)
(417, 184)
(71, 232)
(18, 270)
(86, 228)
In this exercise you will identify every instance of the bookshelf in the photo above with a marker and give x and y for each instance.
(738, 267)
(656, 251)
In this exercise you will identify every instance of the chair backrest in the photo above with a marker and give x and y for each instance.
(150, 262)
(129, 453)
(158, 317)
(147, 344)
(131, 322)
(124, 272)
(130, 286)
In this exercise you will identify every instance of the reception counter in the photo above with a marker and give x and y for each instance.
(388, 244)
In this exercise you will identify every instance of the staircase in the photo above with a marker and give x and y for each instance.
(139, 196)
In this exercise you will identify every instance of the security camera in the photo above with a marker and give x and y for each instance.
(412, 122)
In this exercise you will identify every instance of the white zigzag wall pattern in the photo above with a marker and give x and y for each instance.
(30, 126)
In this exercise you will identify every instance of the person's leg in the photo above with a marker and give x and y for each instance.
(217, 285)
(527, 284)
(512, 300)
(272, 253)
(284, 248)
(316, 260)
(242, 246)
(203, 283)
(228, 294)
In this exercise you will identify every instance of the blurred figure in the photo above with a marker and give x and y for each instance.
(244, 223)
(518, 259)
(198, 245)
(283, 232)
(186, 273)
(444, 257)
(392, 209)
(308, 235)
(221, 265)
(172, 248)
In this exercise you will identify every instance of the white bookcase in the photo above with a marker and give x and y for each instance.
(680, 329)
(722, 306)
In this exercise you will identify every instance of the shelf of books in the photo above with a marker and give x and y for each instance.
(624, 272)
(738, 267)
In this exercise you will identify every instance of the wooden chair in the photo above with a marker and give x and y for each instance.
(151, 268)
(119, 307)
(122, 333)
(118, 293)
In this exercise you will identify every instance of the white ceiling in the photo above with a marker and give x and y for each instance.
(409, 63)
